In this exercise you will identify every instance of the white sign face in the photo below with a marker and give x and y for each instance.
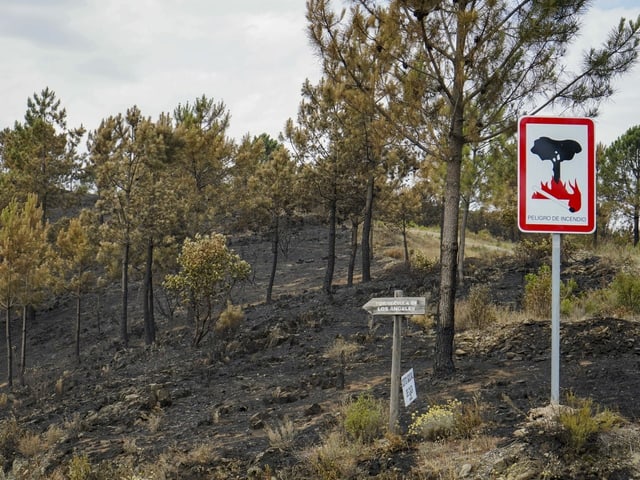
(409, 388)
(556, 175)
(396, 306)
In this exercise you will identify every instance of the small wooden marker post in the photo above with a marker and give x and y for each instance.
(396, 350)
(396, 306)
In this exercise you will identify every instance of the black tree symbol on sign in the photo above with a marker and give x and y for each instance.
(557, 151)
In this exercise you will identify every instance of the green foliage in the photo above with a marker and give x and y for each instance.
(619, 176)
(537, 293)
(208, 272)
(582, 421)
(364, 418)
(77, 254)
(626, 288)
(40, 155)
(531, 251)
(568, 296)
(79, 468)
(421, 264)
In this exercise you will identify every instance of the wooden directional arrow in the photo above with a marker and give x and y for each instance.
(396, 306)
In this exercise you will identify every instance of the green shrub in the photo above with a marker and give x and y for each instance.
(583, 421)
(421, 264)
(79, 468)
(568, 296)
(537, 293)
(627, 291)
(600, 302)
(364, 418)
(533, 251)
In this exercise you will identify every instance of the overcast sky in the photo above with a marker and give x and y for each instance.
(101, 57)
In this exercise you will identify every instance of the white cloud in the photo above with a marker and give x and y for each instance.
(103, 56)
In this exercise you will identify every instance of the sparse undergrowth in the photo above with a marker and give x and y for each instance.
(303, 429)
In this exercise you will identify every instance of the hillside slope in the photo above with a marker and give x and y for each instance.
(173, 411)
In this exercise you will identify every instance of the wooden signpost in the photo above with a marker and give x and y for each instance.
(396, 306)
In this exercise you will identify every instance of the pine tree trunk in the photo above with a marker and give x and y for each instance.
(331, 248)
(124, 331)
(275, 245)
(147, 297)
(405, 242)
(636, 226)
(23, 346)
(366, 232)
(353, 252)
(445, 325)
(9, 347)
(78, 318)
(461, 243)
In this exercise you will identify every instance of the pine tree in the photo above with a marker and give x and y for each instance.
(40, 155)
(76, 251)
(464, 71)
(25, 266)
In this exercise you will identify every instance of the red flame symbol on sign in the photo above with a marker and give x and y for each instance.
(553, 190)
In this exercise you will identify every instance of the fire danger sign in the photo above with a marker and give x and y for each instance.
(556, 175)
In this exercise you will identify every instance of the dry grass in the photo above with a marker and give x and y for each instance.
(129, 446)
(31, 444)
(476, 311)
(396, 253)
(203, 454)
(74, 425)
(340, 347)
(53, 435)
(444, 459)
(282, 434)
(619, 255)
(154, 421)
(229, 321)
(426, 322)
(335, 459)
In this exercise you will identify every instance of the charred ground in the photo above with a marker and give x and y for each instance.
(158, 404)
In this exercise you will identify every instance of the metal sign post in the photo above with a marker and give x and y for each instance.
(556, 194)
(556, 240)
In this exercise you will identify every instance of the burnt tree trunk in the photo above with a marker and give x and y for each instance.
(9, 346)
(366, 232)
(275, 245)
(124, 330)
(331, 247)
(147, 297)
(463, 236)
(353, 252)
(78, 318)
